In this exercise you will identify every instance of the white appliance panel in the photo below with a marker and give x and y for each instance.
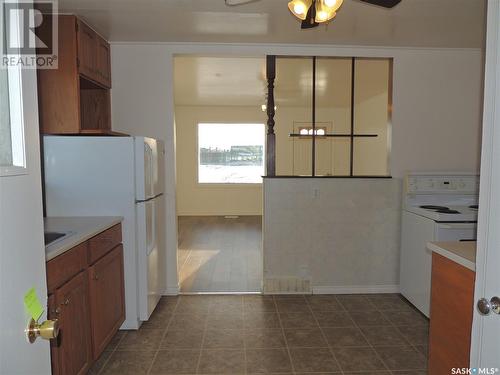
(149, 256)
(150, 226)
(456, 231)
(145, 168)
(439, 184)
(466, 214)
(416, 260)
(159, 181)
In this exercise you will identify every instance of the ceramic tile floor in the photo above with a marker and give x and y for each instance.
(253, 334)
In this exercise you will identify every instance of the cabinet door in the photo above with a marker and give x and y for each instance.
(74, 343)
(107, 299)
(103, 62)
(53, 313)
(87, 51)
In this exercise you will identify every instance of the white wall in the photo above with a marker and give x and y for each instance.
(142, 105)
(437, 111)
(211, 199)
(436, 116)
(339, 234)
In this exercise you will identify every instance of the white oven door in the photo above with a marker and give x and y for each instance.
(456, 232)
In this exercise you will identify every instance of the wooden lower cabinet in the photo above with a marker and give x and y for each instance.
(74, 341)
(87, 296)
(107, 308)
(452, 300)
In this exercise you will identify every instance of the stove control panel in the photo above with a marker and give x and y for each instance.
(430, 184)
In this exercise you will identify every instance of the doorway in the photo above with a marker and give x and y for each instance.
(220, 139)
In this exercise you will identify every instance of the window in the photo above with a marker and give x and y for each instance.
(231, 153)
(12, 152)
(334, 115)
(5, 136)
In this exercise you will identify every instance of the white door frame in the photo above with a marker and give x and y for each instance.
(488, 238)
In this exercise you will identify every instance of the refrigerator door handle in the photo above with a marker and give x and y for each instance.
(149, 199)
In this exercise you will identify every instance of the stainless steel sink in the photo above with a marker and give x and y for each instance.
(51, 237)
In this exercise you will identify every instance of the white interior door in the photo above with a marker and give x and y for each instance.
(485, 343)
(22, 254)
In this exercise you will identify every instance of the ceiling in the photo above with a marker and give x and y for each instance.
(215, 81)
(412, 23)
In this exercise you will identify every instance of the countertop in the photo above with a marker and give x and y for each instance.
(80, 228)
(463, 253)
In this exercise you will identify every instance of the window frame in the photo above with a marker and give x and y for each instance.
(218, 185)
(16, 115)
(351, 134)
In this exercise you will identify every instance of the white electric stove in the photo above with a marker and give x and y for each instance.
(436, 207)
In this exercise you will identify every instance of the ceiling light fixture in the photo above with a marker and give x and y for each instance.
(314, 12)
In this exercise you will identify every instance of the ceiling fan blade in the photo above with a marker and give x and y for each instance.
(235, 3)
(383, 3)
(310, 21)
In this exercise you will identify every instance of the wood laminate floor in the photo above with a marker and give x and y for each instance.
(218, 254)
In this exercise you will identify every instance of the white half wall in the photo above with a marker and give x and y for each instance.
(435, 120)
(340, 234)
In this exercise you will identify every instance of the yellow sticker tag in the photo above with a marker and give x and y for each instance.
(32, 304)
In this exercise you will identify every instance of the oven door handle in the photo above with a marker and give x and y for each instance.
(457, 226)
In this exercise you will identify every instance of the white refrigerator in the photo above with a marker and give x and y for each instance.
(116, 176)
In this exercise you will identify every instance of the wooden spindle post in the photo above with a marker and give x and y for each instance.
(271, 137)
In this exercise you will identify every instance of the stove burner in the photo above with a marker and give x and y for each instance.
(448, 211)
(434, 207)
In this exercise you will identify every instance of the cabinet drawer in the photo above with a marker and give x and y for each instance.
(65, 266)
(104, 242)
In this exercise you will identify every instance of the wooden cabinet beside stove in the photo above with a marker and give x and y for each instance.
(452, 300)
(86, 294)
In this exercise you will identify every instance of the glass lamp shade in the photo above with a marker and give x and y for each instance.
(327, 9)
(299, 8)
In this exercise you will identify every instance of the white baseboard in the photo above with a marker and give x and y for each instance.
(356, 289)
(171, 291)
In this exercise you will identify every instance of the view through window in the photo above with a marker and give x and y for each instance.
(231, 153)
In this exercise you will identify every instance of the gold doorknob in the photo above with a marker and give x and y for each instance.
(47, 330)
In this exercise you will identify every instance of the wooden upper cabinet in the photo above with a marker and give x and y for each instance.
(59, 89)
(103, 62)
(75, 97)
(94, 58)
(74, 343)
(87, 51)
